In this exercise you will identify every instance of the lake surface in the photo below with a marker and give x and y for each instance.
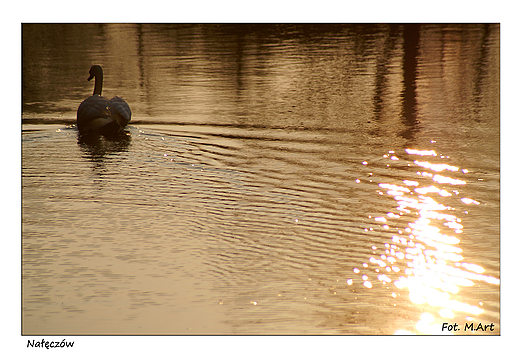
(274, 179)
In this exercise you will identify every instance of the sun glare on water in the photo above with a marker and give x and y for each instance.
(423, 257)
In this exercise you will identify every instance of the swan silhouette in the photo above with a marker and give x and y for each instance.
(97, 114)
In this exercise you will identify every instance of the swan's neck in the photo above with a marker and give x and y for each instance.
(98, 86)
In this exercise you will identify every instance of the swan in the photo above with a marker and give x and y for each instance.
(97, 114)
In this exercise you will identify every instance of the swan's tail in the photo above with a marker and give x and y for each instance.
(99, 125)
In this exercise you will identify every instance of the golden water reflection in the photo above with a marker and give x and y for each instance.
(423, 257)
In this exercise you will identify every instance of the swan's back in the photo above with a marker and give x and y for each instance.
(119, 106)
(92, 108)
(98, 114)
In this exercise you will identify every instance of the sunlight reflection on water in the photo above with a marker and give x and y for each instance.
(421, 258)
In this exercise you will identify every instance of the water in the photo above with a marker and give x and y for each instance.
(274, 179)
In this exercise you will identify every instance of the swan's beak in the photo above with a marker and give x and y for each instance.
(90, 77)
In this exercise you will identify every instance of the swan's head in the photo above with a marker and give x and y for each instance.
(95, 71)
